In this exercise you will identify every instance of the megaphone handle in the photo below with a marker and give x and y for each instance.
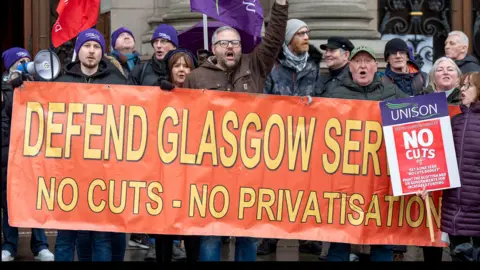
(51, 62)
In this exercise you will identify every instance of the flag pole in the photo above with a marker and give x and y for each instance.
(205, 32)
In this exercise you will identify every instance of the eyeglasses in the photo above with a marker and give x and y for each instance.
(225, 43)
(303, 33)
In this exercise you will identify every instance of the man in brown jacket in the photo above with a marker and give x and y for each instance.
(229, 70)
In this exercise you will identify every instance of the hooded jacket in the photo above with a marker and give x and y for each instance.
(106, 74)
(376, 90)
(468, 64)
(410, 83)
(285, 81)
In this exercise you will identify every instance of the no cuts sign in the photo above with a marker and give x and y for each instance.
(419, 142)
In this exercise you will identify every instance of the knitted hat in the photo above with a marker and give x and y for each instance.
(396, 45)
(165, 31)
(12, 55)
(118, 32)
(89, 35)
(293, 25)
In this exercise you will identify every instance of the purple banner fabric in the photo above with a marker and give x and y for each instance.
(419, 108)
(241, 14)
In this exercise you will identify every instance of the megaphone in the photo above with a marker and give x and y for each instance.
(46, 65)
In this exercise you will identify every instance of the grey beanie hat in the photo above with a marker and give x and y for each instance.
(293, 25)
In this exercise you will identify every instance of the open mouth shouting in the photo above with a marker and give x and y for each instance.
(230, 56)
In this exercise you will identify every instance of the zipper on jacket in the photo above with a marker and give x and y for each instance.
(460, 170)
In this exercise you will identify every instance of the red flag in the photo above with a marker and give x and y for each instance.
(74, 17)
(61, 6)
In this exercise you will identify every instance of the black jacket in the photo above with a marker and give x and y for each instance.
(106, 74)
(468, 64)
(146, 74)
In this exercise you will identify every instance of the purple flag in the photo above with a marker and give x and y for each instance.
(241, 14)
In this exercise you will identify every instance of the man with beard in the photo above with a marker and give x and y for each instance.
(456, 48)
(154, 72)
(337, 51)
(362, 83)
(295, 73)
(89, 68)
(229, 70)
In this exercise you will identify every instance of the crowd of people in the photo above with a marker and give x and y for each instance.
(284, 63)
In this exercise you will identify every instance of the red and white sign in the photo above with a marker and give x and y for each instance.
(419, 142)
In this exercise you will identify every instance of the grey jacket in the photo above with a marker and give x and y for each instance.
(468, 64)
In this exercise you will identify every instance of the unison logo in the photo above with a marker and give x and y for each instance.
(412, 110)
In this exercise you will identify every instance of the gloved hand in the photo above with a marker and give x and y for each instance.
(165, 85)
(16, 80)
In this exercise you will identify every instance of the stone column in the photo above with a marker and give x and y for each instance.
(327, 18)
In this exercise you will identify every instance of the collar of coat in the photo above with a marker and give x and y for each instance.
(313, 54)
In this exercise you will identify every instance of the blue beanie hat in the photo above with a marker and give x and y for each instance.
(118, 32)
(165, 31)
(89, 35)
(14, 54)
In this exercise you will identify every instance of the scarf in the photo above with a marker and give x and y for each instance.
(130, 58)
(298, 63)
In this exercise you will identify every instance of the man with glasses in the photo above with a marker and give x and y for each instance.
(230, 70)
(151, 73)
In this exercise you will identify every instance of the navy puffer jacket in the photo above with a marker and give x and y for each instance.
(461, 206)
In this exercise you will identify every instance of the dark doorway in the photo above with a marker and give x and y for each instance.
(12, 25)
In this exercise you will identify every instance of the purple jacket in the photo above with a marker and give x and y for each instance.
(461, 206)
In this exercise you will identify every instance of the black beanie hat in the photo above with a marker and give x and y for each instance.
(396, 45)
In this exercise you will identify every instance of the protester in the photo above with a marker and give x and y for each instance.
(229, 70)
(456, 48)
(445, 77)
(406, 74)
(153, 72)
(295, 73)
(460, 211)
(89, 68)
(362, 82)
(180, 63)
(10, 80)
(337, 52)
(123, 44)
(297, 69)
(402, 71)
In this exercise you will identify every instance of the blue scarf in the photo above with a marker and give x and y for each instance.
(129, 58)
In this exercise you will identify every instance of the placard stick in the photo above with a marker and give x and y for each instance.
(429, 218)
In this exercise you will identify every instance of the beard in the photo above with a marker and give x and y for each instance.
(229, 65)
(90, 64)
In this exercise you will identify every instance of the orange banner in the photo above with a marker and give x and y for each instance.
(191, 162)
